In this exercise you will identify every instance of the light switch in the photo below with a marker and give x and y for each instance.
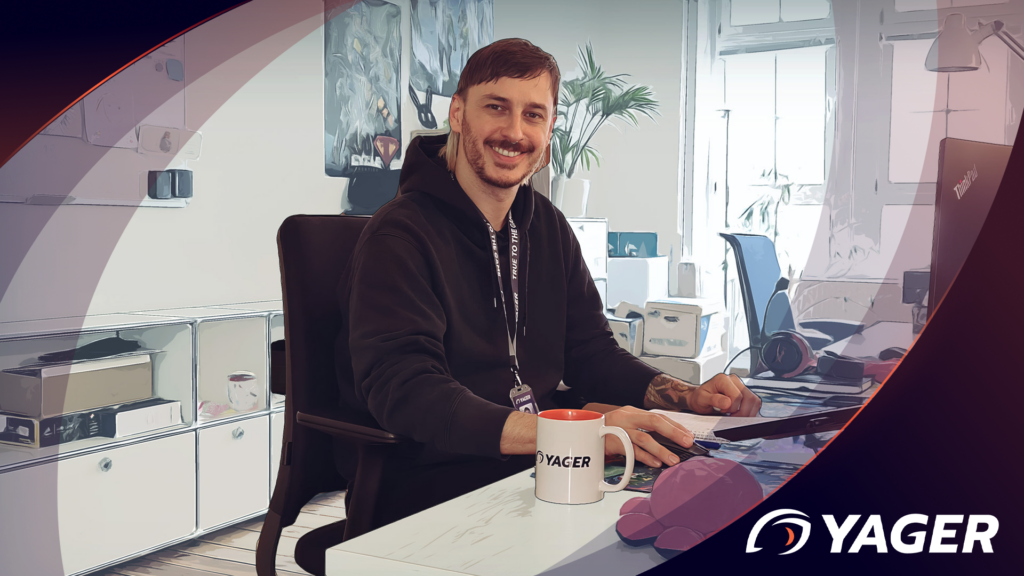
(160, 184)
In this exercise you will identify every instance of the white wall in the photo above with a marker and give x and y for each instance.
(637, 185)
(261, 160)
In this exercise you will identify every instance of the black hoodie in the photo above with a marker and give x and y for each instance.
(428, 344)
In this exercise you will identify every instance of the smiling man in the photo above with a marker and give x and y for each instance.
(468, 301)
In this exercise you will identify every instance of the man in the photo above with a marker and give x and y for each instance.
(438, 342)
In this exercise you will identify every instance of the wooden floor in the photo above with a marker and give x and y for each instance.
(232, 551)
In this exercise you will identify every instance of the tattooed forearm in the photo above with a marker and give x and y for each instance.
(667, 393)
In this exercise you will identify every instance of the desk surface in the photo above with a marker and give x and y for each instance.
(501, 529)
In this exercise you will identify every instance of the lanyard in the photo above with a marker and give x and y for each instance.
(513, 256)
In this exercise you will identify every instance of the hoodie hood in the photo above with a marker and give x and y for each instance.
(424, 171)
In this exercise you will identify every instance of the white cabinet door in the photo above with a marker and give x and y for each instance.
(276, 437)
(82, 512)
(234, 463)
(592, 234)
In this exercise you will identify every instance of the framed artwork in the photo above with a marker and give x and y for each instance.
(362, 87)
(445, 33)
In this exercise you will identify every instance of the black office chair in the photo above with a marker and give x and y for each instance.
(314, 252)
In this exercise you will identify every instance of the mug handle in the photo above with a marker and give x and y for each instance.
(604, 486)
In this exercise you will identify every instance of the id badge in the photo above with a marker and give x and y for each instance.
(523, 400)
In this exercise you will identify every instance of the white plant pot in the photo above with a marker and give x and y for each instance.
(570, 195)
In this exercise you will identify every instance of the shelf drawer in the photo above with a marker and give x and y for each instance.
(97, 508)
(234, 464)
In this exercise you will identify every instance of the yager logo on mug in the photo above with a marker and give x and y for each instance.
(570, 457)
(566, 461)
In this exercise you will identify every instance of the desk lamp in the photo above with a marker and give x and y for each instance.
(959, 50)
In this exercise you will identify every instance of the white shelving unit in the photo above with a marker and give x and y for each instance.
(102, 501)
(592, 234)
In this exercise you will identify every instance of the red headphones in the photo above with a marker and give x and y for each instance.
(788, 354)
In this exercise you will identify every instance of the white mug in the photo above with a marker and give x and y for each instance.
(570, 457)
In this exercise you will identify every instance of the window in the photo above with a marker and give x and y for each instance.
(745, 12)
(915, 5)
(763, 136)
(779, 109)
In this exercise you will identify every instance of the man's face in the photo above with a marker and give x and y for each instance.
(505, 127)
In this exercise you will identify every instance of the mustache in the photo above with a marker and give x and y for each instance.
(510, 146)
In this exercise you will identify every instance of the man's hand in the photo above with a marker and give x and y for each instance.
(724, 392)
(637, 423)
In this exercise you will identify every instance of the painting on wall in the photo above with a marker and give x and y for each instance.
(445, 33)
(362, 87)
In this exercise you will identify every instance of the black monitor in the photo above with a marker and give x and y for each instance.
(969, 176)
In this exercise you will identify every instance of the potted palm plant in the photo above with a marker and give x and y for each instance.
(585, 104)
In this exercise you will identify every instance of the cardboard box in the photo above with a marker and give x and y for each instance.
(684, 327)
(139, 417)
(41, 433)
(691, 370)
(45, 391)
(629, 333)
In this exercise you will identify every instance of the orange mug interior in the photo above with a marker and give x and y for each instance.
(571, 415)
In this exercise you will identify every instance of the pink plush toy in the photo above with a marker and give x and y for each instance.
(689, 502)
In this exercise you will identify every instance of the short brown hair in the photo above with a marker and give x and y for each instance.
(508, 58)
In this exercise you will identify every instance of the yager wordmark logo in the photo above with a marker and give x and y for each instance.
(908, 535)
(805, 529)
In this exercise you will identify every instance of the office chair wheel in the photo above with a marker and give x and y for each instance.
(311, 549)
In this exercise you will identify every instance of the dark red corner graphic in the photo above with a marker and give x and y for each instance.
(9, 148)
(103, 43)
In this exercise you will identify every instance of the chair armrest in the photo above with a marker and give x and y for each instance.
(835, 329)
(354, 432)
(816, 339)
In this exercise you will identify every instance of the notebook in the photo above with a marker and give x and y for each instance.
(723, 429)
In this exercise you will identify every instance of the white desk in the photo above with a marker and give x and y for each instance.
(874, 339)
(501, 529)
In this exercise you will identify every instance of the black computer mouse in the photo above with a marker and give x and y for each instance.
(891, 353)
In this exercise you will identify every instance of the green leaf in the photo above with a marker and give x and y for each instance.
(586, 102)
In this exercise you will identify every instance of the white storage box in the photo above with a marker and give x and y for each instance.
(684, 327)
(637, 280)
(691, 370)
(629, 333)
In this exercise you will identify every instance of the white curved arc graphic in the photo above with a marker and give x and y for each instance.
(805, 532)
(768, 518)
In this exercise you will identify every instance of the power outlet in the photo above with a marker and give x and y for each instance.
(167, 184)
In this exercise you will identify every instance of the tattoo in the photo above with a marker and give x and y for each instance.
(668, 393)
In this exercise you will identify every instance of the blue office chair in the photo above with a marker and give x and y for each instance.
(766, 303)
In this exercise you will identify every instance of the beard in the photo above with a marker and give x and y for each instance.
(508, 176)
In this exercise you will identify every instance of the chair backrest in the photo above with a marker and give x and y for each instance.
(315, 252)
(757, 267)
